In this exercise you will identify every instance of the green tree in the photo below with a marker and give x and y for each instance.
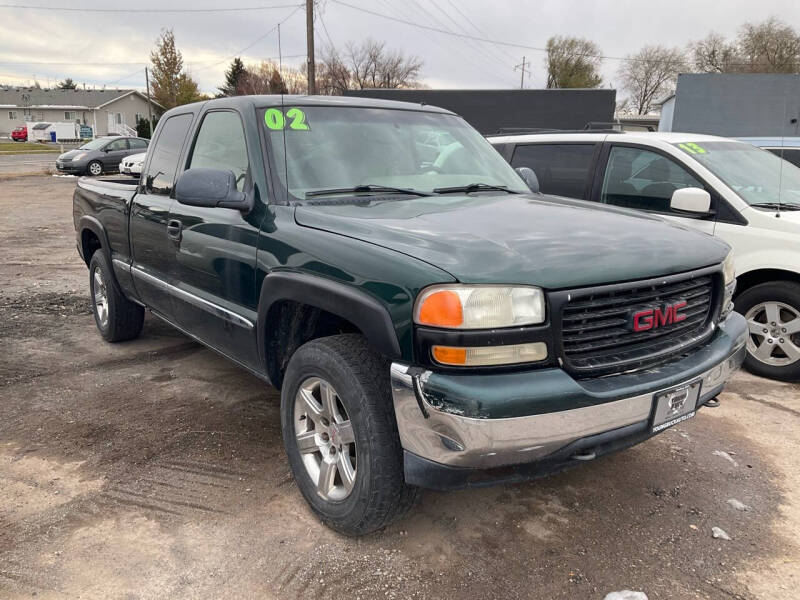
(67, 84)
(171, 86)
(572, 63)
(234, 77)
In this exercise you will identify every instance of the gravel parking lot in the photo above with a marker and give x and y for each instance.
(155, 469)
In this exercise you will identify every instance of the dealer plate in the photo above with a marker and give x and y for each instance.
(675, 406)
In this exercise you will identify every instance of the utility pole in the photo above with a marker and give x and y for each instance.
(149, 102)
(312, 83)
(522, 70)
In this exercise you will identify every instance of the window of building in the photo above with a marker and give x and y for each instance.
(70, 115)
(220, 145)
(161, 172)
(139, 117)
(118, 118)
(562, 169)
(12, 114)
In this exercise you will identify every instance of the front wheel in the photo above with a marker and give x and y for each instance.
(772, 311)
(341, 436)
(94, 168)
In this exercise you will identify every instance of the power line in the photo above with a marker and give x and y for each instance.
(147, 10)
(257, 40)
(479, 38)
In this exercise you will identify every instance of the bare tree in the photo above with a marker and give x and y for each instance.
(366, 65)
(650, 74)
(714, 54)
(572, 63)
(770, 47)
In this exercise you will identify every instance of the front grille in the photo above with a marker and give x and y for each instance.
(596, 338)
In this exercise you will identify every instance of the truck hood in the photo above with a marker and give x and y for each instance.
(523, 239)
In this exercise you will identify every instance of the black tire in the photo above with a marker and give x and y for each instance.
(97, 166)
(124, 319)
(783, 292)
(360, 378)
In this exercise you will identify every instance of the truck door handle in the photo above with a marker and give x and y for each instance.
(174, 228)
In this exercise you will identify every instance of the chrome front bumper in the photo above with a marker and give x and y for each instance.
(454, 440)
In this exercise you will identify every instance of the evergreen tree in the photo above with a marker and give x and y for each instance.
(234, 77)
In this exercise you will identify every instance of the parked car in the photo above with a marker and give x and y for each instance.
(100, 155)
(132, 165)
(20, 134)
(788, 148)
(744, 189)
(429, 324)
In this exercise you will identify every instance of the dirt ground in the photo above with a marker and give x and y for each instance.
(155, 469)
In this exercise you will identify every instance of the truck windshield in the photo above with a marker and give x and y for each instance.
(759, 177)
(334, 150)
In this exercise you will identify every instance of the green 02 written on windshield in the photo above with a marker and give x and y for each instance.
(760, 178)
(332, 150)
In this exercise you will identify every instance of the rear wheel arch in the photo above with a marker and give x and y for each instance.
(295, 308)
(93, 238)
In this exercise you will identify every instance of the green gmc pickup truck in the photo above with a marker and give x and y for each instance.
(431, 320)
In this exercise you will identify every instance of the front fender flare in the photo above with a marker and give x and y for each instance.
(347, 302)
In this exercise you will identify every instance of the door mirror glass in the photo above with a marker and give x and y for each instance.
(691, 199)
(529, 177)
(211, 188)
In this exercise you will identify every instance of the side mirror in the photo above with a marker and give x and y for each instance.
(211, 188)
(529, 177)
(691, 199)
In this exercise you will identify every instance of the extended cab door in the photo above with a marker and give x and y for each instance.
(216, 252)
(153, 243)
(644, 179)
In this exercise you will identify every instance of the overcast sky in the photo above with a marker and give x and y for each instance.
(41, 43)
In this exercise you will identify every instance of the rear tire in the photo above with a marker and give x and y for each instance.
(117, 318)
(367, 491)
(94, 168)
(772, 311)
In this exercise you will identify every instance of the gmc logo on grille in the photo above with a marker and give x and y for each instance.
(653, 318)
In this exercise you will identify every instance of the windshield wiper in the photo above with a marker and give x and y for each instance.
(776, 205)
(365, 189)
(473, 187)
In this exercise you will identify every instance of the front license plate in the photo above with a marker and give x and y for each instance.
(675, 406)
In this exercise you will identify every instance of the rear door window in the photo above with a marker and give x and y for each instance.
(166, 151)
(137, 143)
(562, 169)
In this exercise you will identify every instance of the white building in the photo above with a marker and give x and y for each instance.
(105, 111)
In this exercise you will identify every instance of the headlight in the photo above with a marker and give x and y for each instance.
(79, 156)
(479, 306)
(728, 269)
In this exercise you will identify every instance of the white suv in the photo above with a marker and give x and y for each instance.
(753, 200)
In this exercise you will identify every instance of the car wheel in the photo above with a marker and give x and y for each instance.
(341, 436)
(772, 311)
(94, 168)
(117, 318)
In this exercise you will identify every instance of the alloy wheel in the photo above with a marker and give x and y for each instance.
(774, 329)
(100, 297)
(325, 439)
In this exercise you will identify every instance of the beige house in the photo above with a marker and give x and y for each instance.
(105, 111)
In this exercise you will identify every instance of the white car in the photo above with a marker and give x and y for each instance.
(132, 165)
(746, 196)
